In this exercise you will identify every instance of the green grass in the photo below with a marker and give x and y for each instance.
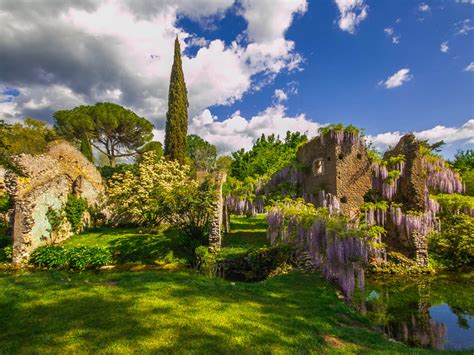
(132, 245)
(246, 232)
(177, 312)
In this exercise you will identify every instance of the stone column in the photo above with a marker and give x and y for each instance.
(215, 227)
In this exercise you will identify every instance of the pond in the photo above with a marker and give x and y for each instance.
(425, 311)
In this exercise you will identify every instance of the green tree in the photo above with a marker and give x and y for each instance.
(110, 128)
(155, 147)
(177, 115)
(202, 153)
(464, 163)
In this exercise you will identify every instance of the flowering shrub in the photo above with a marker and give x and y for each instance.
(147, 195)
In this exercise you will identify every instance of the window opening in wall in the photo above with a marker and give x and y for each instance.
(359, 156)
(341, 156)
(318, 168)
(344, 199)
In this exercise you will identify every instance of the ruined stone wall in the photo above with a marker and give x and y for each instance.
(47, 181)
(354, 176)
(2, 179)
(312, 183)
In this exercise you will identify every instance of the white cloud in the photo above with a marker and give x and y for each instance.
(466, 1)
(470, 67)
(450, 135)
(444, 47)
(396, 39)
(268, 20)
(397, 79)
(237, 132)
(352, 13)
(423, 7)
(389, 31)
(463, 27)
(84, 50)
(280, 95)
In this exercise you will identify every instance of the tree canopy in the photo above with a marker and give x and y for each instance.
(464, 163)
(202, 153)
(267, 156)
(110, 128)
(177, 115)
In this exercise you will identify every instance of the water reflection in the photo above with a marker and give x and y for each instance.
(426, 311)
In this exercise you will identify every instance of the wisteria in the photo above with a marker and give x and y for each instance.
(244, 206)
(329, 201)
(440, 177)
(340, 255)
(341, 136)
(385, 181)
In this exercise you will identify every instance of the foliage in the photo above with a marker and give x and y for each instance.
(224, 163)
(86, 149)
(108, 171)
(464, 163)
(202, 153)
(79, 258)
(55, 218)
(6, 254)
(31, 137)
(110, 128)
(399, 264)
(147, 196)
(177, 115)
(154, 146)
(339, 127)
(267, 156)
(247, 265)
(5, 202)
(454, 203)
(74, 210)
(453, 246)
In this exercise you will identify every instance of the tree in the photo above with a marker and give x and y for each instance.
(202, 153)
(110, 128)
(154, 146)
(177, 115)
(464, 163)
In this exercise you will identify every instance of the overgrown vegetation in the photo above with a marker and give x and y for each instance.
(74, 210)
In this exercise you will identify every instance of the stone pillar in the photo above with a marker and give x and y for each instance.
(215, 227)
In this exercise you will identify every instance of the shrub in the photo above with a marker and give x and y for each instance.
(79, 258)
(74, 210)
(6, 254)
(51, 257)
(453, 246)
(247, 265)
(5, 202)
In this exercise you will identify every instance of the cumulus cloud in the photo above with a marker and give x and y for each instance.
(444, 47)
(470, 67)
(268, 20)
(450, 135)
(423, 7)
(390, 32)
(237, 132)
(59, 54)
(398, 79)
(352, 13)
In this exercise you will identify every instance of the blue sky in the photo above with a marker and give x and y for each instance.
(252, 67)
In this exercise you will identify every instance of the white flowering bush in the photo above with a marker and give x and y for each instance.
(147, 195)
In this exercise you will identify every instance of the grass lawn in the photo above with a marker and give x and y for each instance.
(177, 312)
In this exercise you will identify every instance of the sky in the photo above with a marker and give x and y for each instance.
(252, 67)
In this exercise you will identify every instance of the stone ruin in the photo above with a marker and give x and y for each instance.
(44, 185)
(334, 171)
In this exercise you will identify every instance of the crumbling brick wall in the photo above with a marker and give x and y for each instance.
(47, 181)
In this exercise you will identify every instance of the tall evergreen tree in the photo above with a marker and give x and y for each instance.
(177, 115)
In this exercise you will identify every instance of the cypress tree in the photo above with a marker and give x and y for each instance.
(177, 115)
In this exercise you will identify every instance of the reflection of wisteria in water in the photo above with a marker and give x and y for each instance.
(341, 256)
(440, 177)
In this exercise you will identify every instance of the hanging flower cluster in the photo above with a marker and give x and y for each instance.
(337, 250)
(386, 176)
(340, 136)
(440, 177)
(244, 206)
